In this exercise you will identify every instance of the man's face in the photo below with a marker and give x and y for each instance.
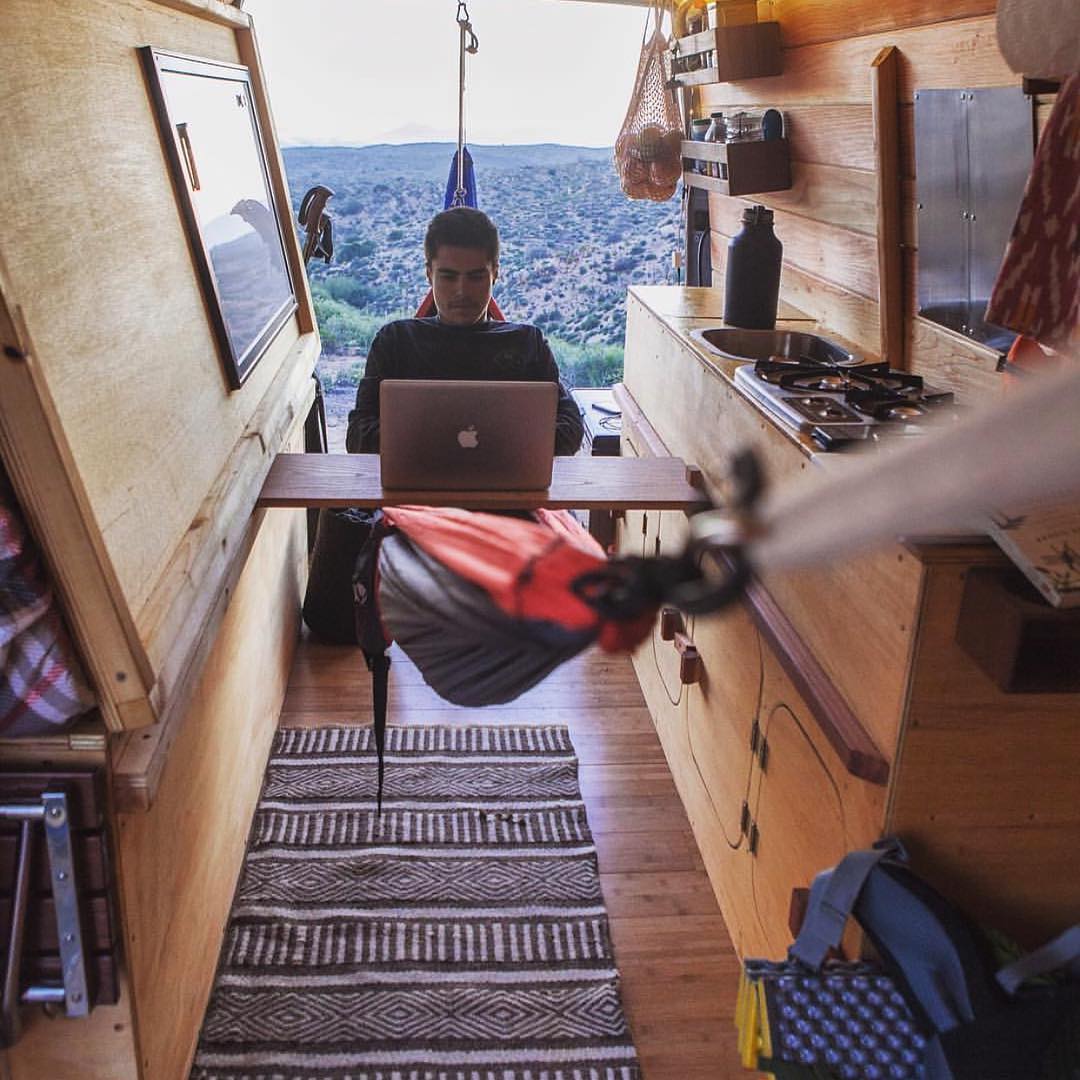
(461, 280)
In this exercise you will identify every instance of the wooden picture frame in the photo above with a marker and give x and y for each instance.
(211, 136)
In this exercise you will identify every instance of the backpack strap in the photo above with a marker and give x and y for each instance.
(379, 666)
(832, 897)
(1063, 952)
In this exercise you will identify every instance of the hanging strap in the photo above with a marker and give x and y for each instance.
(832, 897)
(1063, 953)
(468, 43)
(379, 666)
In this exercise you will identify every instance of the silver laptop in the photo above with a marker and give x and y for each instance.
(468, 435)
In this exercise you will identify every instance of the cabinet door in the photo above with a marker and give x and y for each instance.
(807, 810)
(657, 662)
(721, 713)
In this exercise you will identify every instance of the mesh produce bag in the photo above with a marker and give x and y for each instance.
(648, 155)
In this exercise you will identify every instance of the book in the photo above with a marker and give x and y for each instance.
(1044, 543)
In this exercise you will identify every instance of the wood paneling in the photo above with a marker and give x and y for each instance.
(827, 194)
(840, 255)
(807, 22)
(178, 861)
(841, 135)
(99, 1047)
(159, 460)
(944, 357)
(987, 789)
(960, 53)
(39, 460)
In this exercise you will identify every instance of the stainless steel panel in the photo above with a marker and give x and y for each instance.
(973, 151)
(941, 197)
(1001, 139)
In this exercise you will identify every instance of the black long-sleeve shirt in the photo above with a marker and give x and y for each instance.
(430, 349)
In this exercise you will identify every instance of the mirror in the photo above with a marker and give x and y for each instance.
(212, 140)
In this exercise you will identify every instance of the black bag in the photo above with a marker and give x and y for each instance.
(329, 603)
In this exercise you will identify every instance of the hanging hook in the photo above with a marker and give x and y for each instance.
(466, 28)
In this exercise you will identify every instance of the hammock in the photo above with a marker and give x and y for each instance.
(486, 605)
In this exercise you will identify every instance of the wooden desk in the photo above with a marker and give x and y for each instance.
(578, 483)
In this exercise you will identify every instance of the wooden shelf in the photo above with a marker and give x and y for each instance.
(578, 483)
(727, 54)
(746, 167)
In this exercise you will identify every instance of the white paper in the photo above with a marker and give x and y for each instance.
(1040, 38)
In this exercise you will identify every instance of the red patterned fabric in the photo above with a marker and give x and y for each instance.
(1037, 292)
(41, 683)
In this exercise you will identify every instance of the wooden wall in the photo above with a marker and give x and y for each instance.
(179, 861)
(828, 220)
(162, 460)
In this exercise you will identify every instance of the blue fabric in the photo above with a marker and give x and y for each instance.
(468, 179)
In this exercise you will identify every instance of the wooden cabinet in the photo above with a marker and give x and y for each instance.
(835, 706)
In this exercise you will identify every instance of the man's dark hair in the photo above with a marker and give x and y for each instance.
(462, 226)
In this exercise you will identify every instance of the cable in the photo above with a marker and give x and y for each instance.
(750, 766)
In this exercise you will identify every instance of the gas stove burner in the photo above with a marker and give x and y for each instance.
(838, 405)
(906, 405)
(864, 377)
(904, 412)
(825, 380)
(773, 371)
(823, 410)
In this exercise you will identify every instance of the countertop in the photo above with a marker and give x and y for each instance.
(682, 308)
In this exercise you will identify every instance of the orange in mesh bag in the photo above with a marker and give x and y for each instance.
(648, 153)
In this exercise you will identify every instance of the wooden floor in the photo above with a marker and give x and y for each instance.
(679, 970)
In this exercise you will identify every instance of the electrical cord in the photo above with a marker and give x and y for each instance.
(652, 637)
(750, 765)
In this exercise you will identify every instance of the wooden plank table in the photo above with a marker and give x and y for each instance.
(577, 483)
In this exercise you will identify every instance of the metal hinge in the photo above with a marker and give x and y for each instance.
(748, 828)
(53, 813)
(759, 746)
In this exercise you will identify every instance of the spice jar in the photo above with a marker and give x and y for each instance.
(699, 128)
(717, 132)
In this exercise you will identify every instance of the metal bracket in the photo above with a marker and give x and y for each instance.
(53, 813)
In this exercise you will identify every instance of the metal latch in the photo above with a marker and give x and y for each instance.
(53, 813)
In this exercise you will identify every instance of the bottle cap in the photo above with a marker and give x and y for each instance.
(757, 215)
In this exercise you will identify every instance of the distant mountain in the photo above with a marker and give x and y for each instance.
(571, 241)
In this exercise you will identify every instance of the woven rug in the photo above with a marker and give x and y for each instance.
(462, 936)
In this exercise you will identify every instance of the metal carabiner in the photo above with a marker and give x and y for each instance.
(466, 28)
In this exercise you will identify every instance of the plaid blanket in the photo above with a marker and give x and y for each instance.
(41, 682)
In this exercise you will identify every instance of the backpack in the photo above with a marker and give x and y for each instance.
(967, 1017)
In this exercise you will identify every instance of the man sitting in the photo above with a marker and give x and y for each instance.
(461, 252)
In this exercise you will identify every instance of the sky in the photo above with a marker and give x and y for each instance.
(357, 72)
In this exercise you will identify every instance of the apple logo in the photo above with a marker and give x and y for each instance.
(468, 439)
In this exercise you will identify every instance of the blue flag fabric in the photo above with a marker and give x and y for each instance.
(468, 179)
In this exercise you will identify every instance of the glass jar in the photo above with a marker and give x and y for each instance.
(699, 128)
(717, 132)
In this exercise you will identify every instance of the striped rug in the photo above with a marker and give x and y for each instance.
(461, 936)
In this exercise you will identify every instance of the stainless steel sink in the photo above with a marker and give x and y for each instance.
(738, 344)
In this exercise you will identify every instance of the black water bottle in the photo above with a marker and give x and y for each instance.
(752, 279)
